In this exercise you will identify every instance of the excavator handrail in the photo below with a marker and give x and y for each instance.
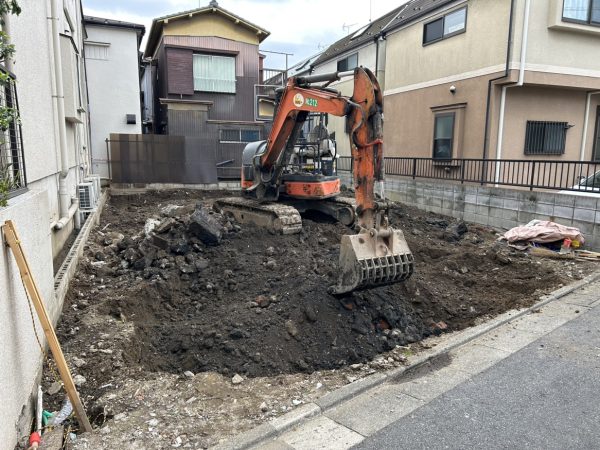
(321, 77)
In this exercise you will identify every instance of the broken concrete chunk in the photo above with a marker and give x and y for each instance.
(436, 222)
(79, 380)
(171, 210)
(165, 225)
(113, 239)
(237, 379)
(291, 328)
(149, 226)
(53, 438)
(54, 388)
(205, 227)
(78, 362)
(455, 232)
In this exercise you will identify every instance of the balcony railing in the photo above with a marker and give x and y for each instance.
(532, 174)
(273, 77)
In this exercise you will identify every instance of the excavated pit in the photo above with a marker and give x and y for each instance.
(257, 303)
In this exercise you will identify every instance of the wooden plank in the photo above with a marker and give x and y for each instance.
(12, 239)
(547, 253)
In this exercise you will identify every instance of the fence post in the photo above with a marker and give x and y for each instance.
(483, 171)
(532, 175)
(462, 171)
(108, 159)
(414, 171)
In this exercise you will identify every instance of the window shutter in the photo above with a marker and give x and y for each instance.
(179, 68)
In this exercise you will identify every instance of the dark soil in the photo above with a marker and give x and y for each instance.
(257, 303)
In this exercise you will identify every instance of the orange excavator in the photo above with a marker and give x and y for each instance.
(275, 190)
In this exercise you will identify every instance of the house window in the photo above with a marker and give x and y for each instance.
(545, 138)
(214, 73)
(583, 11)
(449, 25)
(236, 136)
(443, 135)
(96, 50)
(12, 164)
(348, 63)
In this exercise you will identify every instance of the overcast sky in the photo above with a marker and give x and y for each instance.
(301, 27)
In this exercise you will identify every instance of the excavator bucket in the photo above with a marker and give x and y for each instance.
(371, 259)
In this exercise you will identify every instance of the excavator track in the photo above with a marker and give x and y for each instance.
(277, 218)
(342, 209)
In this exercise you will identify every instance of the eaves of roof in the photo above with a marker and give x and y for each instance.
(100, 21)
(157, 24)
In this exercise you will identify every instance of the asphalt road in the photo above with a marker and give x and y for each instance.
(545, 396)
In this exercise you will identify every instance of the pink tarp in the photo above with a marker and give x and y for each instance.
(543, 231)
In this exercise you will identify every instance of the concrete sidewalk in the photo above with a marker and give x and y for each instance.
(531, 383)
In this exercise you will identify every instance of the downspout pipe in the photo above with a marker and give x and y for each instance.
(524, 42)
(520, 81)
(63, 194)
(586, 119)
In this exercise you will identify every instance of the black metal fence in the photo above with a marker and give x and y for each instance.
(12, 162)
(533, 174)
(154, 158)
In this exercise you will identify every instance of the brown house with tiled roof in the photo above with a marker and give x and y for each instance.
(201, 69)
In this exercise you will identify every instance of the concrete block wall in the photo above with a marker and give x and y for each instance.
(498, 207)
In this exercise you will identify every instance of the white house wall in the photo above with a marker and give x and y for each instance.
(34, 210)
(574, 48)
(116, 89)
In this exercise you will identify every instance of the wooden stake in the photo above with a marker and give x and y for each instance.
(12, 239)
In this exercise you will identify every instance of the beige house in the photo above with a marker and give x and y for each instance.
(502, 79)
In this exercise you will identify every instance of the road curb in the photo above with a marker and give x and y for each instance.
(270, 430)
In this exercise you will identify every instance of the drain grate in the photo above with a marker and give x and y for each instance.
(71, 259)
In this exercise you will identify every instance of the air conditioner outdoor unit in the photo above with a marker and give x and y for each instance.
(95, 180)
(87, 196)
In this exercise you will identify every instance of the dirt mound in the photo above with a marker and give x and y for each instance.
(257, 303)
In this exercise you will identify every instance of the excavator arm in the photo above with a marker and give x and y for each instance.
(378, 254)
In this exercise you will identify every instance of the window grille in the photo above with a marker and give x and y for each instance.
(12, 164)
(545, 138)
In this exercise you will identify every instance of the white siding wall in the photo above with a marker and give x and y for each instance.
(33, 211)
(113, 74)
